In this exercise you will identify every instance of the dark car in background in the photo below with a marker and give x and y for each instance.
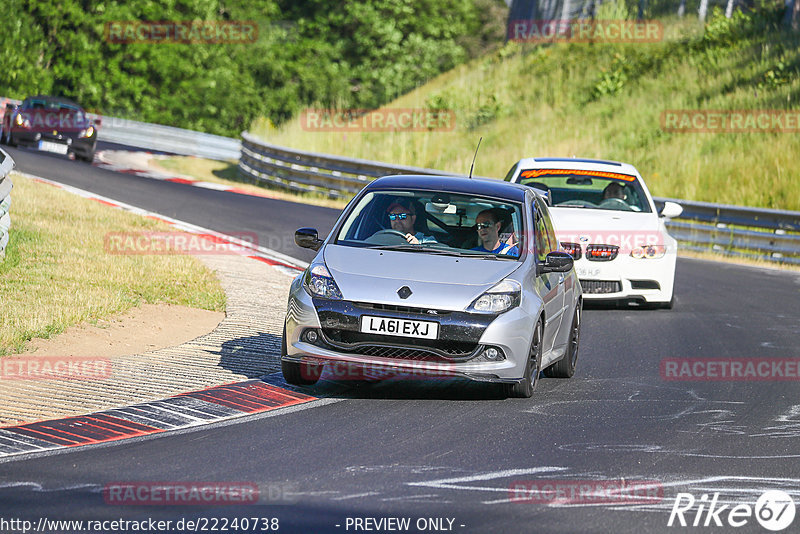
(51, 124)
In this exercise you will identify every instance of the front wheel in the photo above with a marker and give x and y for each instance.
(524, 388)
(565, 367)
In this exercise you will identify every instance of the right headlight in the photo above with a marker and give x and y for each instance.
(650, 252)
(319, 283)
(502, 297)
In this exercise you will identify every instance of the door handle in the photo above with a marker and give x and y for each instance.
(561, 279)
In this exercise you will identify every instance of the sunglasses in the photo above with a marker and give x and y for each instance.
(401, 216)
(481, 226)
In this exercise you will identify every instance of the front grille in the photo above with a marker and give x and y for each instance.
(367, 345)
(601, 286)
(601, 252)
(400, 309)
(573, 249)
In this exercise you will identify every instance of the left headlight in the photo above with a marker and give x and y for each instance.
(88, 132)
(319, 283)
(502, 297)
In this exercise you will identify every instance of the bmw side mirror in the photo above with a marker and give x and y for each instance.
(671, 210)
(556, 262)
(308, 238)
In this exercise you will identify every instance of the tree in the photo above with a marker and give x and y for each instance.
(703, 11)
(792, 17)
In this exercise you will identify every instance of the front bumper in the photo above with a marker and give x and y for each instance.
(456, 352)
(627, 278)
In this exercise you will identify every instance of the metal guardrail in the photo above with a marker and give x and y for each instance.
(773, 235)
(167, 139)
(298, 170)
(159, 137)
(6, 166)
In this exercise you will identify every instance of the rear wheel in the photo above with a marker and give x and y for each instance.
(565, 367)
(298, 374)
(524, 388)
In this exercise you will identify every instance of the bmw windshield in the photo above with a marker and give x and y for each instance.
(588, 189)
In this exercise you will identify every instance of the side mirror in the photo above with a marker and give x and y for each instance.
(556, 262)
(671, 210)
(308, 238)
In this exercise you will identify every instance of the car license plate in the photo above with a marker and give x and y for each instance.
(49, 146)
(399, 327)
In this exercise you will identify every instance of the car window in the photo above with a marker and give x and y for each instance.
(543, 243)
(443, 222)
(588, 189)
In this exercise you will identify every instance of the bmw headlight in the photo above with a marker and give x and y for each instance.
(650, 252)
(319, 283)
(502, 297)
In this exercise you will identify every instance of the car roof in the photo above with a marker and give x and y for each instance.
(584, 164)
(453, 184)
(52, 100)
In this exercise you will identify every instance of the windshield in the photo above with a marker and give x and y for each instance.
(588, 189)
(435, 223)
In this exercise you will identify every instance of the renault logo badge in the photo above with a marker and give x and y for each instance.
(404, 292)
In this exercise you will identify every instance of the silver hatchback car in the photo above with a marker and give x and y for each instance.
(444, 276)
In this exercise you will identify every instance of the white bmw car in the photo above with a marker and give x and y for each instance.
(606, 219)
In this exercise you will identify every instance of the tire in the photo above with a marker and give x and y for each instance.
(525, 387)
(565, 367)
(298, 374)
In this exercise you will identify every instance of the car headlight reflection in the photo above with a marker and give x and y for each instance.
(500, 298)
(649, 252)
(88, 132)
(320, 283)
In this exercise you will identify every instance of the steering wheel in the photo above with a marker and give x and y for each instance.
(616, 204)
(388, 236)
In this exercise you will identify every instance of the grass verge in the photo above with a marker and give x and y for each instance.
(57, 272)
(606, 101)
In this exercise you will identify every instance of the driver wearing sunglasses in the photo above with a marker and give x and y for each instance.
(489, 233)
(402, 219)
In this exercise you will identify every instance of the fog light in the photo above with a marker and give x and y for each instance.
(493, 354)
(311, 336)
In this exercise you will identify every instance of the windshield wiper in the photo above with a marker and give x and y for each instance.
(421, 248)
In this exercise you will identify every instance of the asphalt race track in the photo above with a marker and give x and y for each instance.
(444, 454)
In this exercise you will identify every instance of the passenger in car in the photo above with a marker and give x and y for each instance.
(489, 234)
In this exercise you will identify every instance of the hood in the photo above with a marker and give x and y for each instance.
(440, 282)
(621, 228)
